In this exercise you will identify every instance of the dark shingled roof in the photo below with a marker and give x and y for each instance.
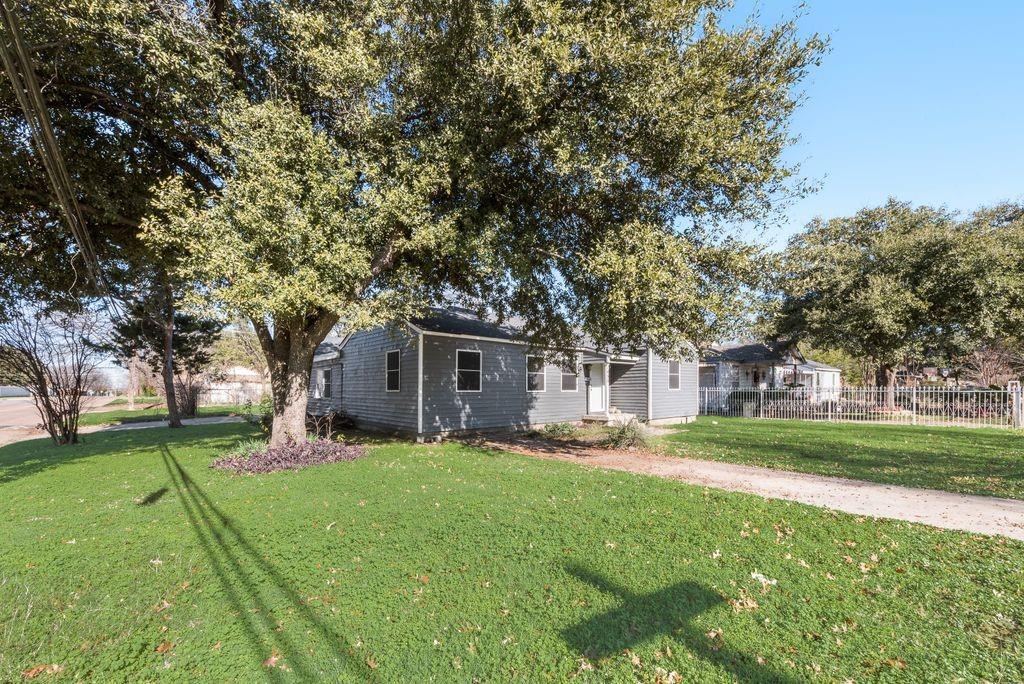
(458, 321)
(819, 365)
(750, 352)
(760, 352)
(329, 345)
(463, 322)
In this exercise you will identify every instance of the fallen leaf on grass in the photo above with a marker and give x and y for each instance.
(272, 660)
(164, 647)
(33, 672)
(744, 602)
(715, 636)
(162, 606)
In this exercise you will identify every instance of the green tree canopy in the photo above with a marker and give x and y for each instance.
(339, 161)
(895, 284)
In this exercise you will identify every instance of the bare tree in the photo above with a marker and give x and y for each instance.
(993, 365)
(54, 355)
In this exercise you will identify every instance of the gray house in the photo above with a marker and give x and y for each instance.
(451, 372)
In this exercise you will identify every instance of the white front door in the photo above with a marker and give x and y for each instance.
(596, 399)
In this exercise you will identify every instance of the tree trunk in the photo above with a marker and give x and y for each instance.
(133, 381)
(173, 419)
(289, 351)
(290, 387)
(886, 377)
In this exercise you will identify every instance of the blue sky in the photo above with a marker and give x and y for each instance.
(923, 101)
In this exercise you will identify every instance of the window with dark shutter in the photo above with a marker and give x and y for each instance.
(393, 371)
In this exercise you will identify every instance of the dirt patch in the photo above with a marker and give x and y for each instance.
(584, 451)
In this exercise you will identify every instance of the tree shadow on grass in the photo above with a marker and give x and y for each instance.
(229, 551)
(27, 458)
(667, 612)
(152, 497)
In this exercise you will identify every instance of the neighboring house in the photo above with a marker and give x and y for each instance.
(453, 372)
(928, 375)
(236, 385)
(758, 365)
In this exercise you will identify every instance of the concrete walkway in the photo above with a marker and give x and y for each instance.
(142, 425)
(983, 514)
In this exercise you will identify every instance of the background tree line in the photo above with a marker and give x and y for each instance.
(898, 286)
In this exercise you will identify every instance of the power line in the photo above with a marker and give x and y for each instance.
(17, 63)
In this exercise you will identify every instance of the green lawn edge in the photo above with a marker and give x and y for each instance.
(979, 461)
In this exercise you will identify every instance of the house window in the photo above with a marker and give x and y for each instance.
(535, 373)
(673, 375)
(468, 366)
(325, 390)
(570, 379)
(393, 371)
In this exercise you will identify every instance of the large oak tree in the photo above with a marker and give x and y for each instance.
(901, 284)
(349, 162)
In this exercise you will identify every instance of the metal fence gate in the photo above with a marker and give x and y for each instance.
(898, 405)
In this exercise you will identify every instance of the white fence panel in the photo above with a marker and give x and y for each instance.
(939, 406)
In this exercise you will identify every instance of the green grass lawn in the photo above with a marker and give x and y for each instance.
(964, 460)
(123, 401)
(147, 414)
(127, 558)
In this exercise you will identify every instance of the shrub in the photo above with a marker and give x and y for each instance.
(260, 414)
(254, 456)
(632, 435)
(559, 431)
(245, 447)
(329, 425)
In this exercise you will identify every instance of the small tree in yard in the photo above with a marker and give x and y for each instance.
(55, 356)
(175, 344)
(993, 365)
(530, 159)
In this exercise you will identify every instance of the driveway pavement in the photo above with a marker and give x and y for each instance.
(20, 412)
(18, 420)
(984, 514)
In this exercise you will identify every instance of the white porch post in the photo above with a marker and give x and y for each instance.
(607, 387)
(650, 380)
(419, 385)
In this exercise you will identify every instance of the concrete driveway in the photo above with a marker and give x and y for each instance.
(19, 418)
(984, 514)
(17, 412)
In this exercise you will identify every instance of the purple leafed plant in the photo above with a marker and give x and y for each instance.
(255, 458)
